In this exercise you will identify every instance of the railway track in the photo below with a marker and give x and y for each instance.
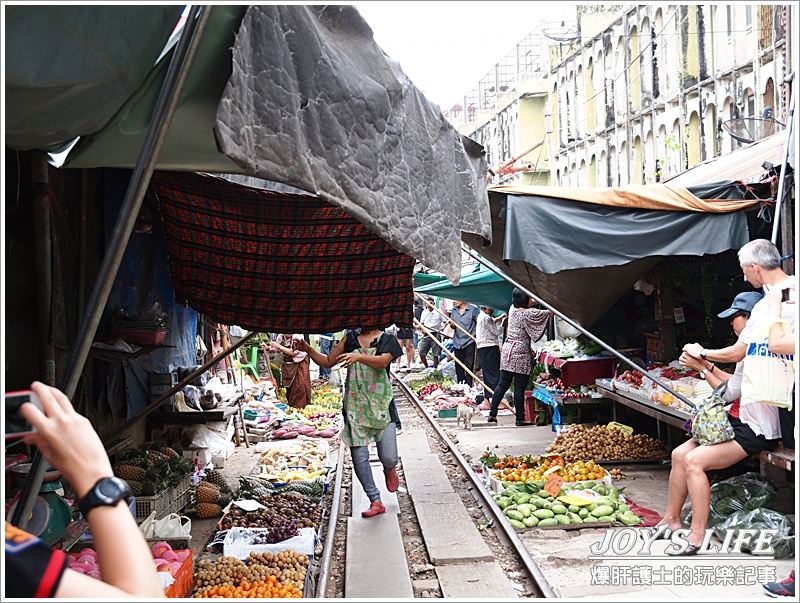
(505, 531)
(506, 548)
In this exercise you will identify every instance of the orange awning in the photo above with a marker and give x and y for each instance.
(665, 197)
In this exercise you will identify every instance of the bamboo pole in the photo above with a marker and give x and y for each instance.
(450, 355)
(449, 320)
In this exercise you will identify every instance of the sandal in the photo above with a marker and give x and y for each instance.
(690, 550)
(376, 508)
(392, 480)
(664, 535)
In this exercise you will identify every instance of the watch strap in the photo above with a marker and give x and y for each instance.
(95, 497)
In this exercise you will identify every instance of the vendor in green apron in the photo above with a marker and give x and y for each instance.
(367, 353)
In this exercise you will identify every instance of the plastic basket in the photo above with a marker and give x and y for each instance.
(184, 580)
(170, 500)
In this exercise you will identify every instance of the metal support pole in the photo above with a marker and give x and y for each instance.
(452, 356)
(598, 341)
(449, 320)
(188, 379)
(140, 179)
(782, 182)
(43, 236)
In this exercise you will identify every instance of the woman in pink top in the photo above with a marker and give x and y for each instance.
(525, 325)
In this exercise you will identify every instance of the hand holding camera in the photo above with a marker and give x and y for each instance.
(65, 438)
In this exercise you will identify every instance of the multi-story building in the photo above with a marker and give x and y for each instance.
(643, 95)
(505, 111)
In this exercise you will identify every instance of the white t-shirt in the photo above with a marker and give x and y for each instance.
(764, 419)
(487, 331)
(761, 312)
(432, 320)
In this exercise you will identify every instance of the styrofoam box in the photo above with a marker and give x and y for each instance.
(237, 543)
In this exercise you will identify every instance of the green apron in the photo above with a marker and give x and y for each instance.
(367, 395)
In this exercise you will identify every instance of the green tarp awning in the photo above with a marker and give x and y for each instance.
(68, 69)
(481, 287)
(189, 144)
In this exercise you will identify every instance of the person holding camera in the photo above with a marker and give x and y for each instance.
(70, 444)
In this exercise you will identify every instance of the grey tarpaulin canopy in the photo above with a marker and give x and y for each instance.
(322, 109)
(581, 249)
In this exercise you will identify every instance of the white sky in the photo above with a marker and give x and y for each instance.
(446, 47)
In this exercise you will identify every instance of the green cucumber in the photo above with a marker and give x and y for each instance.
(558, 509)
(517, 524)
(546, 523)
(530, 522)
(562, 519)
(544, 514)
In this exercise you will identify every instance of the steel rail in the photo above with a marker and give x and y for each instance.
(536, 575)
(333, 519)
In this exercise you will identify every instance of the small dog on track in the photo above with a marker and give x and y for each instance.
(465, 414)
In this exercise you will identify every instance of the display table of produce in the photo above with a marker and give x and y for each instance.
(262, 576)
(607, 444)
(641, 403)
(302, 459)
(526, 469)
(575, 362)
(584, 505)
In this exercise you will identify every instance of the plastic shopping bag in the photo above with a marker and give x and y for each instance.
(767, 378)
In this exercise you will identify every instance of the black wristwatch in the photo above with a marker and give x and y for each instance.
(108, 491)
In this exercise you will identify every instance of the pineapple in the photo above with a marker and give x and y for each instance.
(207, 493)
(208, 510)
(130, 472)
(171, 453)
(155, 455)
(215, 477)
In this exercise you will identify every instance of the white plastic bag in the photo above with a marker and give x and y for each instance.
(171, 526)
(767, 378)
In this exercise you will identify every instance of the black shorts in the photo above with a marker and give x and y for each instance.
(405, 333)
(747, 439)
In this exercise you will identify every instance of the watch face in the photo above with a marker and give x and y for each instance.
(110, 489)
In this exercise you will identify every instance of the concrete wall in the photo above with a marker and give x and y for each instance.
(663, 77)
